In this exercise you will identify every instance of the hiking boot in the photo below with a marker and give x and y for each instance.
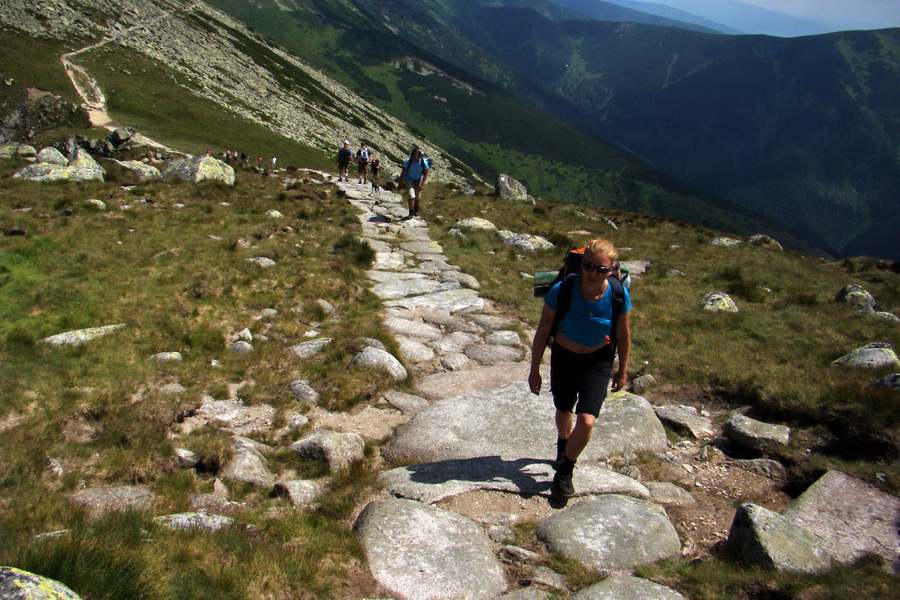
(562, 484)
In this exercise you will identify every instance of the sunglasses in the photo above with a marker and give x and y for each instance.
(588, 266)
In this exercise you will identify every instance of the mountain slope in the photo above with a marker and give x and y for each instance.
(443, 92)
(805, 130)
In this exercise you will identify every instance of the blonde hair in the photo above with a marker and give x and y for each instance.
(601, 246)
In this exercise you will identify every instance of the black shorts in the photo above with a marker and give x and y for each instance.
(579, 381)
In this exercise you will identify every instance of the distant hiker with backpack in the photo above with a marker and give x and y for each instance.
(412, 178)
(344, 156)
(588, 316)
(362, 164)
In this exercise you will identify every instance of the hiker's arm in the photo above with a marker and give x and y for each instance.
(538, 345)
(623, 344)
(424, 177)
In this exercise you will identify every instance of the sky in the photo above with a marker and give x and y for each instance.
(846, 14)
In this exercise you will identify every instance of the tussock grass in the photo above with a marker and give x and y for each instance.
(180, 279)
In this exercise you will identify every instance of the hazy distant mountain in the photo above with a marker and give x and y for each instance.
(669, 12)
(615, 11)
(747, 17)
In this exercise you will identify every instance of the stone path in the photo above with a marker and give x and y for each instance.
(479, 428)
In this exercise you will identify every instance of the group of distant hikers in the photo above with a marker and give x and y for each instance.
(412, 178)
(232, 156)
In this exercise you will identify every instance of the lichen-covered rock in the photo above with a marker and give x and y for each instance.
(871, 356)
(12, 149)
(199, 168)
(16, 584)
(511, 189)
(718, 302)
(724, 241)
(476, 223)
(80, 336)
(195, 520)
(856, 296)
(52, 156)
(763, 537)
(143, 171)
(50, 172)
(525, 241)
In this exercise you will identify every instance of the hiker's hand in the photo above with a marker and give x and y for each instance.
(620, 380)
(534, 382)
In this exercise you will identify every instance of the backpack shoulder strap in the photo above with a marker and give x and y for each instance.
(564, 299)
(618, 305)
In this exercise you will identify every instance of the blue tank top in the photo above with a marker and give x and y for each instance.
(586, 323)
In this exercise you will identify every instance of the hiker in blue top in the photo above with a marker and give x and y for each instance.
(412, 178)
(582, 354)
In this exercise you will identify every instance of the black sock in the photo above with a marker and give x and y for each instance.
(567, 465)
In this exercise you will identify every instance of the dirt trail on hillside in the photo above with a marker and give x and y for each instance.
(88, 89)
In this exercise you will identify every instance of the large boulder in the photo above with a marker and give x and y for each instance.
(763, 537)
(52, 172)
(851, 517)
(611, 532)
(718, 302)
(509, 188)
(16, 584)
(199, 168)
(871, 356)
(418, 552)
(856, 296)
